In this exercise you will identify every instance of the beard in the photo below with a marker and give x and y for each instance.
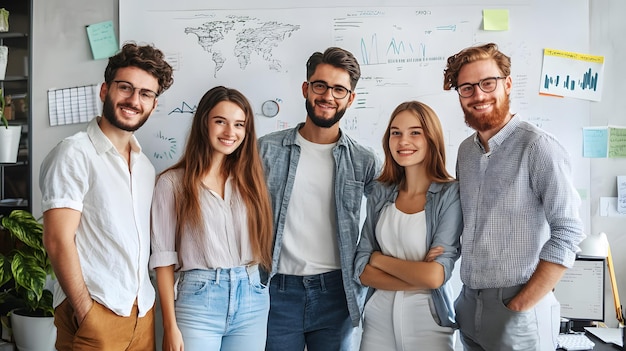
(490, 120)
(108, 112)
(323, 122)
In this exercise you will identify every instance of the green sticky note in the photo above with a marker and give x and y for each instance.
(617, 142)
(102, 40)
(496, 19)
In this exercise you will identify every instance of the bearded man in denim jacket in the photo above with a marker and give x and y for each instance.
(317, 177)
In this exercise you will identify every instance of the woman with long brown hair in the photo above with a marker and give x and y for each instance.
(211, 222)
(410, 239)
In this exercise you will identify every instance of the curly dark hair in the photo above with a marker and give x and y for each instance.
(146, 57)
(336, 57)
(472, 54)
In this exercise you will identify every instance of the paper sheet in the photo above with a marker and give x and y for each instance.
(621, 194)
(608, 335)
(572, 74)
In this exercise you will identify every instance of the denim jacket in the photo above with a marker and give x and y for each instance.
(356, 167)
(444, 224)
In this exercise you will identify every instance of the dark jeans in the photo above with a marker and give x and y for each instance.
(309, 310)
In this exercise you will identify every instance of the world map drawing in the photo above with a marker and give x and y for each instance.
(249, 35)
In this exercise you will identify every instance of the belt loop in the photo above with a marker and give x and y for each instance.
(217, 276)
(251, 270)
(322, 282)
(282, 281)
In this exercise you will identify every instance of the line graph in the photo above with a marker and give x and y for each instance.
(184, 108)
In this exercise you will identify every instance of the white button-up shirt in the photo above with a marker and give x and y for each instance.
(86, 173)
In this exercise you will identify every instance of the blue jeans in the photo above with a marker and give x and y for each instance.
(222, 309)
(309, 310)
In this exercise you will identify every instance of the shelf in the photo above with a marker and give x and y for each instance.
(14, 203)
(9, 35)
(18, 122)
(14, 39)
(15, 178)
(14, 79)
(18, 163)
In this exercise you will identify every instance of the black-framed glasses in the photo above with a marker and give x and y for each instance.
(487, 85)
(126, 90)
(320, 87)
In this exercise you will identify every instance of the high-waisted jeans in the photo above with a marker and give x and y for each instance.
(222, 309)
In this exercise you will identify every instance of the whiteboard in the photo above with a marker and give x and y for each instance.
(261, 50)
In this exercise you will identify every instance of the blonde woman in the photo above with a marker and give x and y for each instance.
(410, 239)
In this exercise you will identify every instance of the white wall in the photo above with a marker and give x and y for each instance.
(607, 33)
(62, 58)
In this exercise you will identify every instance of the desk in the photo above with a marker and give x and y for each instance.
(600, 345)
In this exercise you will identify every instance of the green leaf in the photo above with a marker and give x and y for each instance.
(22, 225)
(5, 270)
(28, 275)
(27, 266)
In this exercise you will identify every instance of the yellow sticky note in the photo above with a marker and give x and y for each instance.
(496, 19)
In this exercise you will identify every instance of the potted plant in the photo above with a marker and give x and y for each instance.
(24, 272)
(9, 136)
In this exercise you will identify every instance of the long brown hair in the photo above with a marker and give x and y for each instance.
(435, 160)
(243, 166)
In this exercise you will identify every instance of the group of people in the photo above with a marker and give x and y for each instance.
(257, 243)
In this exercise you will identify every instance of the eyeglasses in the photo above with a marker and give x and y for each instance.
(319, 87)
(487, 85)
(126, 90)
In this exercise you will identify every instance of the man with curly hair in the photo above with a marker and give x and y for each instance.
(520, 212)
(96, 194)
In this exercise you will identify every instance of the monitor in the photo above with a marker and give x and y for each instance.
(581, 290)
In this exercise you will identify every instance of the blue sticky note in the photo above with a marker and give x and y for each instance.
(102, 40)
(595, 142)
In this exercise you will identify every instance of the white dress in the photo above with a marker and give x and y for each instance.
(403, 320)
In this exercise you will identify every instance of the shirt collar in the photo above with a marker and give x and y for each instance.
(501, 136)
(102, 143)
(433, 188)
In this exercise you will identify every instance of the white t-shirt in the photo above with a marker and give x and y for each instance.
(402, 235)
(310, 237)
(86, 173)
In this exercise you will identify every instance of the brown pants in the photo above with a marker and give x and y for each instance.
(103, 330)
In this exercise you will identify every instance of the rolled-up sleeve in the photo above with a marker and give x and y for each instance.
(552, 182)
(163, 231)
